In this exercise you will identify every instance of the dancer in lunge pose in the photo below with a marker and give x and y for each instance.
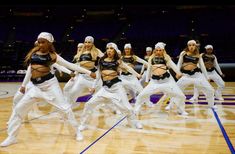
(35, 112)
(213, 69)
(86, 57)
(129, 81)
(112, 90)
(192, 66)
(44, 86)
(161, 80)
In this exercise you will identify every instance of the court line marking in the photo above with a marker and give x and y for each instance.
(102, 135)
(224, 132)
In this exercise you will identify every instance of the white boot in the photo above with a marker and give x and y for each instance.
(193, 99)
(117, 112)
(149, 104)
(184, 113)
(8, 141)
(135, 124)
(138, 125)
(214, 107)
(220, 98)
(79, 135)
(168, 107)
(218, 95)
(82, 127)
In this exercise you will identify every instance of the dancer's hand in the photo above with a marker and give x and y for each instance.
(61, 74)
(145, 84)
(22, 89)
(72, 75)
(92, 90)
(93, 75)
(223, 75)
(139, 76)
(178, 76)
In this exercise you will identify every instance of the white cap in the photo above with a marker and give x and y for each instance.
(128, 45)
(48, 36)
(36, 43)
(80, 44)
(113, 45)
(90, 39)
(191, 42)
(164, 44)
(160, 45)
(149, 49)
(208, 47)
(119, 52)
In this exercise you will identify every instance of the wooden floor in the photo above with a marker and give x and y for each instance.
(163, 132)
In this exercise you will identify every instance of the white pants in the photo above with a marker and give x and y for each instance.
(200, 82)
(78, 86)
(218, 81)
(48, 91)
(131, 84)
(142, 80)
(18, 96)
(115, 95)
(167, 86)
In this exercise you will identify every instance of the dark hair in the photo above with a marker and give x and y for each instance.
(35, 49)
(115, 58)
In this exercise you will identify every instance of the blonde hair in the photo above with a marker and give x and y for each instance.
(94, 53)
(196, 51)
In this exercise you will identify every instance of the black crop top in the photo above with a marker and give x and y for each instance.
(41, 59)
(187, 58)
(208, 58)
(130, 60)
(105, 65)
(85, 57)
(158, 60)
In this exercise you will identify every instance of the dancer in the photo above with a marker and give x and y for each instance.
(35, 112)
(194, 73)
(212, 68)
(129, 81)
(162, 81)
(44, 86)
(81, 84)
(112, 90)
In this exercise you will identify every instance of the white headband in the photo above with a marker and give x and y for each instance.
(149, 49)
(90, 39)
(113, 45)
(128, 45)
(80, 44)
(48, 36)
(208, 47)
(160, 45)
(191, 42)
